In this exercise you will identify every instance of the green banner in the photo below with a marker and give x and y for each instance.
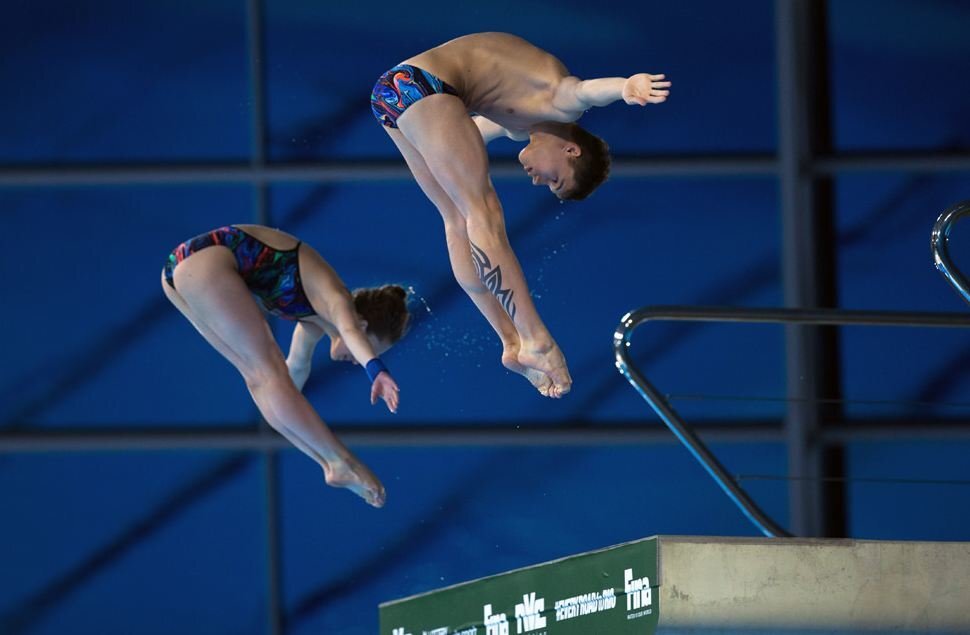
(608, 592)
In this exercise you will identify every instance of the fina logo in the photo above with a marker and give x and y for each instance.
(528, 615)
(495, 624)
(638, 592)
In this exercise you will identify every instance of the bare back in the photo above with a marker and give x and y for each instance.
(499, 76)
(274, 238)
(321, 283)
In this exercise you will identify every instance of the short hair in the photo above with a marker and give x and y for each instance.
(386, 310)
(592, 167)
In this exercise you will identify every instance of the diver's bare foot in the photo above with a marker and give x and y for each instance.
(354, 475)
(540, 381)
(548, 361)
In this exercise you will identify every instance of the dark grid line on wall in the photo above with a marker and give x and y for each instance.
(255, 32)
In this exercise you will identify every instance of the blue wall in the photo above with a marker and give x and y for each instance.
(154, 542)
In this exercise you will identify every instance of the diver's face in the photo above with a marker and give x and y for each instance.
(340, 353)
(548, 160)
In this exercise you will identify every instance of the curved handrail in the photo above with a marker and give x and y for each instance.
(684, 433)
(939, 243)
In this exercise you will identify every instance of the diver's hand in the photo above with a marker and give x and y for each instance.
(644, 88)
(386, 388)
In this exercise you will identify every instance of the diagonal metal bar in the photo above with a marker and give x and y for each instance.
(313, 203)
(939, 243)
(445, 291)
(319, 135)
(96, 357)
(944, 379)
(419, 535)
(684, 433)
(892, 217)
(734, 290)
(34, 608)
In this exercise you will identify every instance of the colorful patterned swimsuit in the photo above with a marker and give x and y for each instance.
(273, 275)
(400, 87)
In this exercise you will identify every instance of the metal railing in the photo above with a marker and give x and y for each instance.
(939, 242)
(684, 433)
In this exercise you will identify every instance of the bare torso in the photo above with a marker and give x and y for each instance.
(501, 77)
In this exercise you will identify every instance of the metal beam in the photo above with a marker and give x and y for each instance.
(403, 436)
(340, 172)
(215, 172)
(389, 170)
(891, 162)
(398, 436)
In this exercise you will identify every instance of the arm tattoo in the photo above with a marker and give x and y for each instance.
(492, 279)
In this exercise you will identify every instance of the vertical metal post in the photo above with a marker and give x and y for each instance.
(799, 242)
(257, 84)
(833, 522)
(274, 600)
(257, 87)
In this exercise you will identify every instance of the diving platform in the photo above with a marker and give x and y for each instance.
(708, 585)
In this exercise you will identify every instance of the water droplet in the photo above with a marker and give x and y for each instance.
(413, 292)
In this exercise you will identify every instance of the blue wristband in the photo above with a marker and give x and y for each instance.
(374, 368)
